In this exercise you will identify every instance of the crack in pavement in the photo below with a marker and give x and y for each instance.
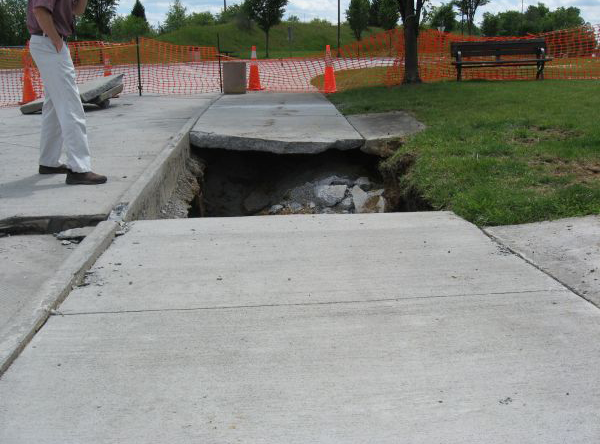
(302, 304)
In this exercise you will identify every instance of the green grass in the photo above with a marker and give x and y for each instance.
(497, 153)
(308, 38)
(354, 78)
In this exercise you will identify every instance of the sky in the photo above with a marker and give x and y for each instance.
(306, 10)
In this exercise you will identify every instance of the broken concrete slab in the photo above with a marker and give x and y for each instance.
(94, 88)
(27, 261)
(330, 195)
(141, 128)
(567, 249)
(96, 91)
(77, 234)
(380, 129)
(275, 122)
(368, 201)
(416, 323)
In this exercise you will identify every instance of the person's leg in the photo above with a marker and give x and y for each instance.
(51, 140)
(58, 74)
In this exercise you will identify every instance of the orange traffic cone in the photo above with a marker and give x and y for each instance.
(329, 73)
(254, 81)
(107, 67)
(28, 91)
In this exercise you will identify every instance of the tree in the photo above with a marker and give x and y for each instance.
(374, 13)
(410, 11)
(13, 17)
(139, 11)
(443, 15)
(266, 13)
(388, 14)
(490, 25)
(468, 8)
(201, 18)
(565, 18)
(293, 19)
(176, 16)
(127, 28)
(100, 13)
(537, 19)
(357, 15)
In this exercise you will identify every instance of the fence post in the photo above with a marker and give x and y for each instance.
(137, 50)
(219, 57)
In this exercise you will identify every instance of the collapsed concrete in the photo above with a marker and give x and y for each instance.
(97, 92)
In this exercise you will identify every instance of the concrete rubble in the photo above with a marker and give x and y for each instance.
(98, 91)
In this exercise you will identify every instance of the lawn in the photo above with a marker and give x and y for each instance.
(497, 153)
(307, 38)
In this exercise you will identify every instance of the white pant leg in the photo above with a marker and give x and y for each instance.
(51, 141)
(58, 74)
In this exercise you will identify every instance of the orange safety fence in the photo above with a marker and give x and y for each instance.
(377, 60)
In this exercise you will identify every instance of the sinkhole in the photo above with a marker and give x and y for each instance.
(226, 183)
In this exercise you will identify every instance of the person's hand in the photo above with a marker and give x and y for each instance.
(58, 43)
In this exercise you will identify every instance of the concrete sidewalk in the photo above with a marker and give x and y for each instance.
(568, 249)
(385, 328)
(280, 123)
(124, 140)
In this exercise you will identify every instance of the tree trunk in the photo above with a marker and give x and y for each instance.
(411, 55)
(267, 35)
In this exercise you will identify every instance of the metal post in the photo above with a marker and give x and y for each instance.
(137, 49)
(219, 57)
(338, 40)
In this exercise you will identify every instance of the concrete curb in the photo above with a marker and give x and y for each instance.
(153, 188)
(56, 289)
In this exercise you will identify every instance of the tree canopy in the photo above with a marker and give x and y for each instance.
(388, 14)
(357, 15)
(266, 14)
(443, 15)
(98, 15)
(536, 19)
(139, 11)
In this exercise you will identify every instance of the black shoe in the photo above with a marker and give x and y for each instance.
(61, 169)
(88, 178)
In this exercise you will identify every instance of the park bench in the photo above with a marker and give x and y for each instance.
(500, 50)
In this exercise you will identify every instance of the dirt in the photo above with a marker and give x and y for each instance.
(583, 171)
(538, 134)
(186, 201)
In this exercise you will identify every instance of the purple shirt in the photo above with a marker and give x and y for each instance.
(62, 13)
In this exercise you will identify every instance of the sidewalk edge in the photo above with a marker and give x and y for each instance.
(56, 289)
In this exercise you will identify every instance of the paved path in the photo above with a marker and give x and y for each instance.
(124, 139)
(275, 122)
(27, 261)
(411, 327)
(568, 249)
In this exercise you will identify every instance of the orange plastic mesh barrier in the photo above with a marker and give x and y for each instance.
(377, 60)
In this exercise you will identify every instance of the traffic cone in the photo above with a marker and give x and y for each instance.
(254, 81)
(329, 73)
(107, 67)
(28, 91)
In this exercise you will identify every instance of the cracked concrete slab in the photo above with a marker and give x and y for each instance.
(337, 328)
(568, 249)
(124, 140)
(262, 261)
(378, 129)
(282, 123)
(98, 89)
(27, 261)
